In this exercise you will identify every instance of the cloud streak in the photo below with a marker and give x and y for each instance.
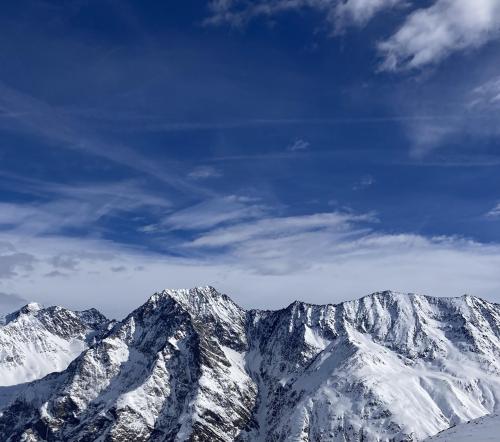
(494, 212)
(476, 107)
(364, 183)
(56, 207)
(338, 14)
(36, 117)
(298, 145)
(204, 172)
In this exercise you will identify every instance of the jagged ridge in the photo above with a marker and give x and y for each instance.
(35, 341)
(192, 365)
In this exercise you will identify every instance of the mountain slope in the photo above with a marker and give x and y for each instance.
(35, 341)
(388, 366)
(484, 429)
(192, 365)
(172, 367)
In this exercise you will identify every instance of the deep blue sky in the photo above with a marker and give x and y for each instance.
(314, 149)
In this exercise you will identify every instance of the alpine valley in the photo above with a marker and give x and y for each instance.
(191, 365)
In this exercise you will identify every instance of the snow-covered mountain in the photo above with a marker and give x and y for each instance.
(36, 341)
(192, 365)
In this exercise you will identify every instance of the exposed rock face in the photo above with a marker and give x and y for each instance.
(190, 365)
(35, 341)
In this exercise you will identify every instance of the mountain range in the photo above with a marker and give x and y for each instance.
(191, 365)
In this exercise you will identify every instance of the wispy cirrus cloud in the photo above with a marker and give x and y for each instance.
(262, 258)
(210, 213)
(486, 96)
(55, 207)
(360, 12)
(204, 172)
(338, 14)
(279, 245)
(33, 116)
(476, 109)
(298, 144)
(365, 182)
(277, 227)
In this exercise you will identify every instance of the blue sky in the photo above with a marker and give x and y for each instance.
(276, 149)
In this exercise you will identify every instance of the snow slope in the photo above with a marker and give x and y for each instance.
(35, 341)
(192, 365)
(388, 367)
(484, 429)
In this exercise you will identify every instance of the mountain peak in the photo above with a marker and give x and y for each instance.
(35, 341)
(28, 309)
(201, 293)
(198, 300)
(32, 307)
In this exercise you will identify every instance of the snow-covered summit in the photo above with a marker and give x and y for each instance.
(28, 309)
(200, 301)
(35, 341)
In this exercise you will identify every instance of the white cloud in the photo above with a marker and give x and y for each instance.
(298, 144)
(213, 212)
(261, 258)
(204, 172)
(431, 34)
(338, 13)
(277, 228)
(486, 96)
(359, 12)
(475, 113)
(427, 36)
(495, 212)
(279, 245)
(266, 263)
(75, 206)
(428, 135)
(364, 183)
